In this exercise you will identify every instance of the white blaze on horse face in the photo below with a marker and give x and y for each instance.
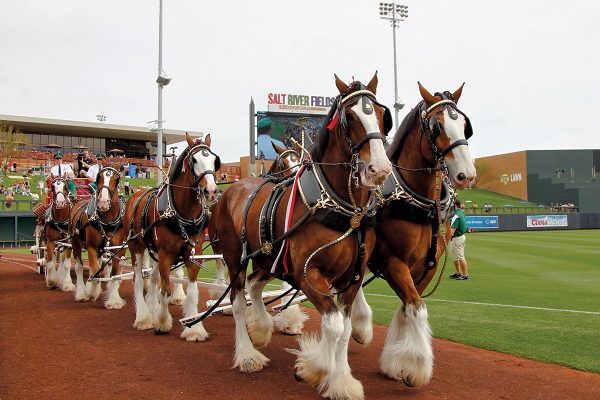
(104, 194)
(292, 162)
(378, 167)
(461, 168)
(205, 161)
(59, 194)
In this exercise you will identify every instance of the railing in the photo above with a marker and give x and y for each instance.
(520, 210)
(18, 205)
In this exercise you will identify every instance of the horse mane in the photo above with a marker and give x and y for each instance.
(320, 144)
(178, 165)
(407, 123)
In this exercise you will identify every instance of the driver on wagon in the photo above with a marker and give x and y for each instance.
(64, 171)
(93, 171)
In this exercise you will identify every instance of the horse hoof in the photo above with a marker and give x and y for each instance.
(298, 377)
(407, 381)
(358, 339)
(159, 332)
(292, 331)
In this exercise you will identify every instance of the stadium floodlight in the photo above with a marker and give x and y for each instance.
(395, 13)
(101, 118)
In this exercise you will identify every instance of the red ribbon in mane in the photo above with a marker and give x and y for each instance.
(333, 122)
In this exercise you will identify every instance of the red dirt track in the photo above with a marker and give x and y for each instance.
(54, 348)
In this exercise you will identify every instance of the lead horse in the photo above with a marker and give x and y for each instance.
(329, 239)
(430, 146)
(169, 222)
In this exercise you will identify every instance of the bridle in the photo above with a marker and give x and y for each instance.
(68, 200)
(188, 162)
(281, 167)
(430, 126)
(106, 185)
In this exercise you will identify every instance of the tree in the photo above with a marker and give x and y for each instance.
(10, 141)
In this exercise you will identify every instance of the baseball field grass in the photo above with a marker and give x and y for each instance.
(532, 294)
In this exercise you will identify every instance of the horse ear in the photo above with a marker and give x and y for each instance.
(189, 140)
(278, 149)
(207, 140)
(456, 95)
(372, 86)
(429, 99)
(342, 87)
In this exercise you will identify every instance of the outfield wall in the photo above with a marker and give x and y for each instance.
(533, 222)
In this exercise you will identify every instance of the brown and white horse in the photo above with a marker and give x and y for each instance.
(430, 143)
(322, 259)
(56, 227)
(169, 222)
(96, 224)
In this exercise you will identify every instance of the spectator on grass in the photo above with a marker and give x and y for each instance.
(458, 228)
(9, 199)
(2, 190)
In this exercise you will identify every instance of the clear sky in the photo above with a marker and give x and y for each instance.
(531, 67)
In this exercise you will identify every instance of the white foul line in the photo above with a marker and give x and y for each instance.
(496, 305)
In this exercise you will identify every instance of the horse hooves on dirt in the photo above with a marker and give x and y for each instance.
(408, 381)
(159, 332)
(298, 377)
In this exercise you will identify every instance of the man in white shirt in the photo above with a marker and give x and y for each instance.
(92, 172)
(64, 171)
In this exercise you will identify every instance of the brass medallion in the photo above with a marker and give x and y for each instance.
(355, 221)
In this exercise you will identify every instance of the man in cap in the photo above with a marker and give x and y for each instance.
(93, 171)
(265, 149)
(65, 171)
(458, 228)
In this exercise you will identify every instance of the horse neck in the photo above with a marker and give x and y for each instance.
(413, 156)
(113, 213)
(60, 214)
(338, 175)
(184, 197)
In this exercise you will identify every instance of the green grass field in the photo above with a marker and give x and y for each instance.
(532, 294)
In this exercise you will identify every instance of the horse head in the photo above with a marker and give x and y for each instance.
(203, 164)
(365, 123)
(287, 162)
(107, 182)
(447, 130)
(60, 193)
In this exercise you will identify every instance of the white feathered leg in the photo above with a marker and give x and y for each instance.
(407, 354)
(258, 321)
(51, 273)
(152, 284)
(162, 320)
(246, 357)
(316, 358)
(113, 299)
(291, 320)
(178, 296)
(340, 384)
(196, 333)
(80, 285)
(143, 318)
(219, 280)
(362, 325)
(66, 281)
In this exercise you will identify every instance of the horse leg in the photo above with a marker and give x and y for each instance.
(162, 320)
(178, 297)
(93, 289)
(291, 320)
(196, 333)
(114, 300)
(66, 281)
(152, 283)
(80, 285)
(362, 325)
(51, 273)
(143, 318)
(219, 280)
(259, 322)
(323, 362)
(407, 354)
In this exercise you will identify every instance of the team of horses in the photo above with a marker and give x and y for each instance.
(319, 221)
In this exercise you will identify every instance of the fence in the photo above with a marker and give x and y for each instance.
(18, 205)
(16, 229)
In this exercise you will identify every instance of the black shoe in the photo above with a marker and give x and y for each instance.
(463, 278)
(455, 275)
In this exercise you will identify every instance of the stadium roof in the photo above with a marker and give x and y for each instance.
(91, 129)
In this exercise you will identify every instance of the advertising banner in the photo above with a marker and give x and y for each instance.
(482, 222)
(546, 221)
(279, 128)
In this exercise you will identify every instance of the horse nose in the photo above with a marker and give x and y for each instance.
(379, 171)
(461, 177)
(210, 193)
